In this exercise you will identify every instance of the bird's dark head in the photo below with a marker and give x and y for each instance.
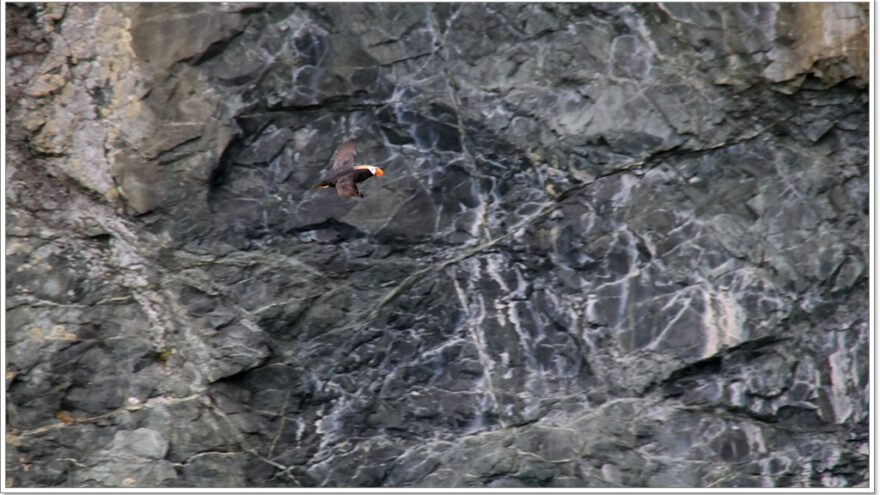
(376, 171)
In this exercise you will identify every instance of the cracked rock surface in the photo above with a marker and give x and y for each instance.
(616, 245)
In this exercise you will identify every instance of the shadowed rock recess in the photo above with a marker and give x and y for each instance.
(616, 245)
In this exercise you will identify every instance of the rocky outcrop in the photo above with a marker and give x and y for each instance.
(616, 245)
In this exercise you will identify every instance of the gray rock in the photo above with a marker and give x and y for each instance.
(216, 469)
(141, 442)
(617, 245)
(126, 474)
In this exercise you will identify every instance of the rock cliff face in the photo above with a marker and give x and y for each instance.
(615, 245)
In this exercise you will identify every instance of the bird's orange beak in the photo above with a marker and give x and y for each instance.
(379, 172)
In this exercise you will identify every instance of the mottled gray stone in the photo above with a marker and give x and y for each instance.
(115, 474)
(187, 430)
(216, 469)
(141, 442)
(616, 245)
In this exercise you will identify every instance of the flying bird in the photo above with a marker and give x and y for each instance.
(347, 175)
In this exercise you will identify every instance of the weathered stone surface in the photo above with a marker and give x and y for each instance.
(619, 245)
(216, 469)
(142, 442)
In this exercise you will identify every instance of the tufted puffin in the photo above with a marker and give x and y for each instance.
(346, 175)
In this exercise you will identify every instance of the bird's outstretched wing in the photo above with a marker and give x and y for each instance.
(343, 159)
